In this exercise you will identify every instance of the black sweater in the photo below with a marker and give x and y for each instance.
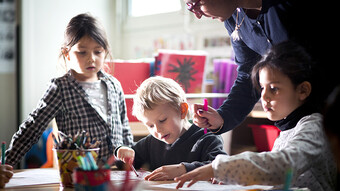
(193, 149)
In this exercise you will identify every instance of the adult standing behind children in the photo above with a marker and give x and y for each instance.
(284, 78)
(85, 98)
(254, 27)
(174, 145)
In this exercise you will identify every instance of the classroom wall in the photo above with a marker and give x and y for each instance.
(8, 106)
(181, 30)
(8, 88)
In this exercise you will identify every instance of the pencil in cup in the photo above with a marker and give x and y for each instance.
(67, 162)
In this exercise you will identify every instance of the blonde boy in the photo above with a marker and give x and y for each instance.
(174, 145)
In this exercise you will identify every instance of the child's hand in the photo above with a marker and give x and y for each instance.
(6, 173)
(202, 173)
(126, 154)
(168, 172)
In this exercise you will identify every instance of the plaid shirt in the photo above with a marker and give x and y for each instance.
(66, 101)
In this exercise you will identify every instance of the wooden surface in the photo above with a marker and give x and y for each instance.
(146, 185)
(52, 175)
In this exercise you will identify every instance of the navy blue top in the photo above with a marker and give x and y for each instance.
(193, 149)
(278, 21)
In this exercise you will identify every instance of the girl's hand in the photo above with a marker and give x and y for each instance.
(6, 173)
(202, 173)
(168, 172)
(206, 119)
(126, 154)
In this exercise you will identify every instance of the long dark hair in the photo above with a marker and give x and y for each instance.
(290, 59)
(84, 25)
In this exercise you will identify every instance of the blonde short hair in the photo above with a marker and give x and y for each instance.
(155, 91)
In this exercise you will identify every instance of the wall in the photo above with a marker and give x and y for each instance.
(143, 36)
(8, 83)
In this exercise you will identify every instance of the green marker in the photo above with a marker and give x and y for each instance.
(289, 176)
(3, 149)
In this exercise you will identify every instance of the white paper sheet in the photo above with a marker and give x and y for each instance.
(34, 177)
(120, 175)
(204, 185)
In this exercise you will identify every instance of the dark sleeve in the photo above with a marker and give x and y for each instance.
(210, 146)
(141, 149)
(242, 96)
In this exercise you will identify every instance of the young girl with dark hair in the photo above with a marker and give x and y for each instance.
(283, 77)
(85, 98)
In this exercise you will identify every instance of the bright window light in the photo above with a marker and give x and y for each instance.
(150, 7)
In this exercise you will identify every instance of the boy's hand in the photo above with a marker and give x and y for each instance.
(126, 154)
(168, 172)
(6, 173)
(202, 173)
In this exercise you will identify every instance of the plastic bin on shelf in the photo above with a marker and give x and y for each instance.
(264, 136)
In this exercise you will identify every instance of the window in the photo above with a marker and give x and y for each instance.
(139, 8)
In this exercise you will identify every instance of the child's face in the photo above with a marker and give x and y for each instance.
(278, 95)
(164, 123)
(86, 59)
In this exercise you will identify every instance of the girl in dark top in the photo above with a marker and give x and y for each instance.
(175, 146)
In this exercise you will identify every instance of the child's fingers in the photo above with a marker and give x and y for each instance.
(8, 167)
(126, 154)
(180, 184)
(181, 180)
(191, 183)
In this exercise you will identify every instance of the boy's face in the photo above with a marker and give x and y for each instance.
(278, 95)
(164, 123)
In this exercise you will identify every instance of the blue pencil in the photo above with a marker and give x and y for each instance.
(91, 161)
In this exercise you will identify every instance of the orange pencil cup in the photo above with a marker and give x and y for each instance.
(67, 162)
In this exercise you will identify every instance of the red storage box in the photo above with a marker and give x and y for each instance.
(130, 75)
(264, 136)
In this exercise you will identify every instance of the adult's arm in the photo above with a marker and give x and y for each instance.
(242, 96)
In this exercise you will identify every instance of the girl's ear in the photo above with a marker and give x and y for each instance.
(65, 53)
(304, 89)
(184, 110)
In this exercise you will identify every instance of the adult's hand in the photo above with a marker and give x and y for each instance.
(210, 119)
